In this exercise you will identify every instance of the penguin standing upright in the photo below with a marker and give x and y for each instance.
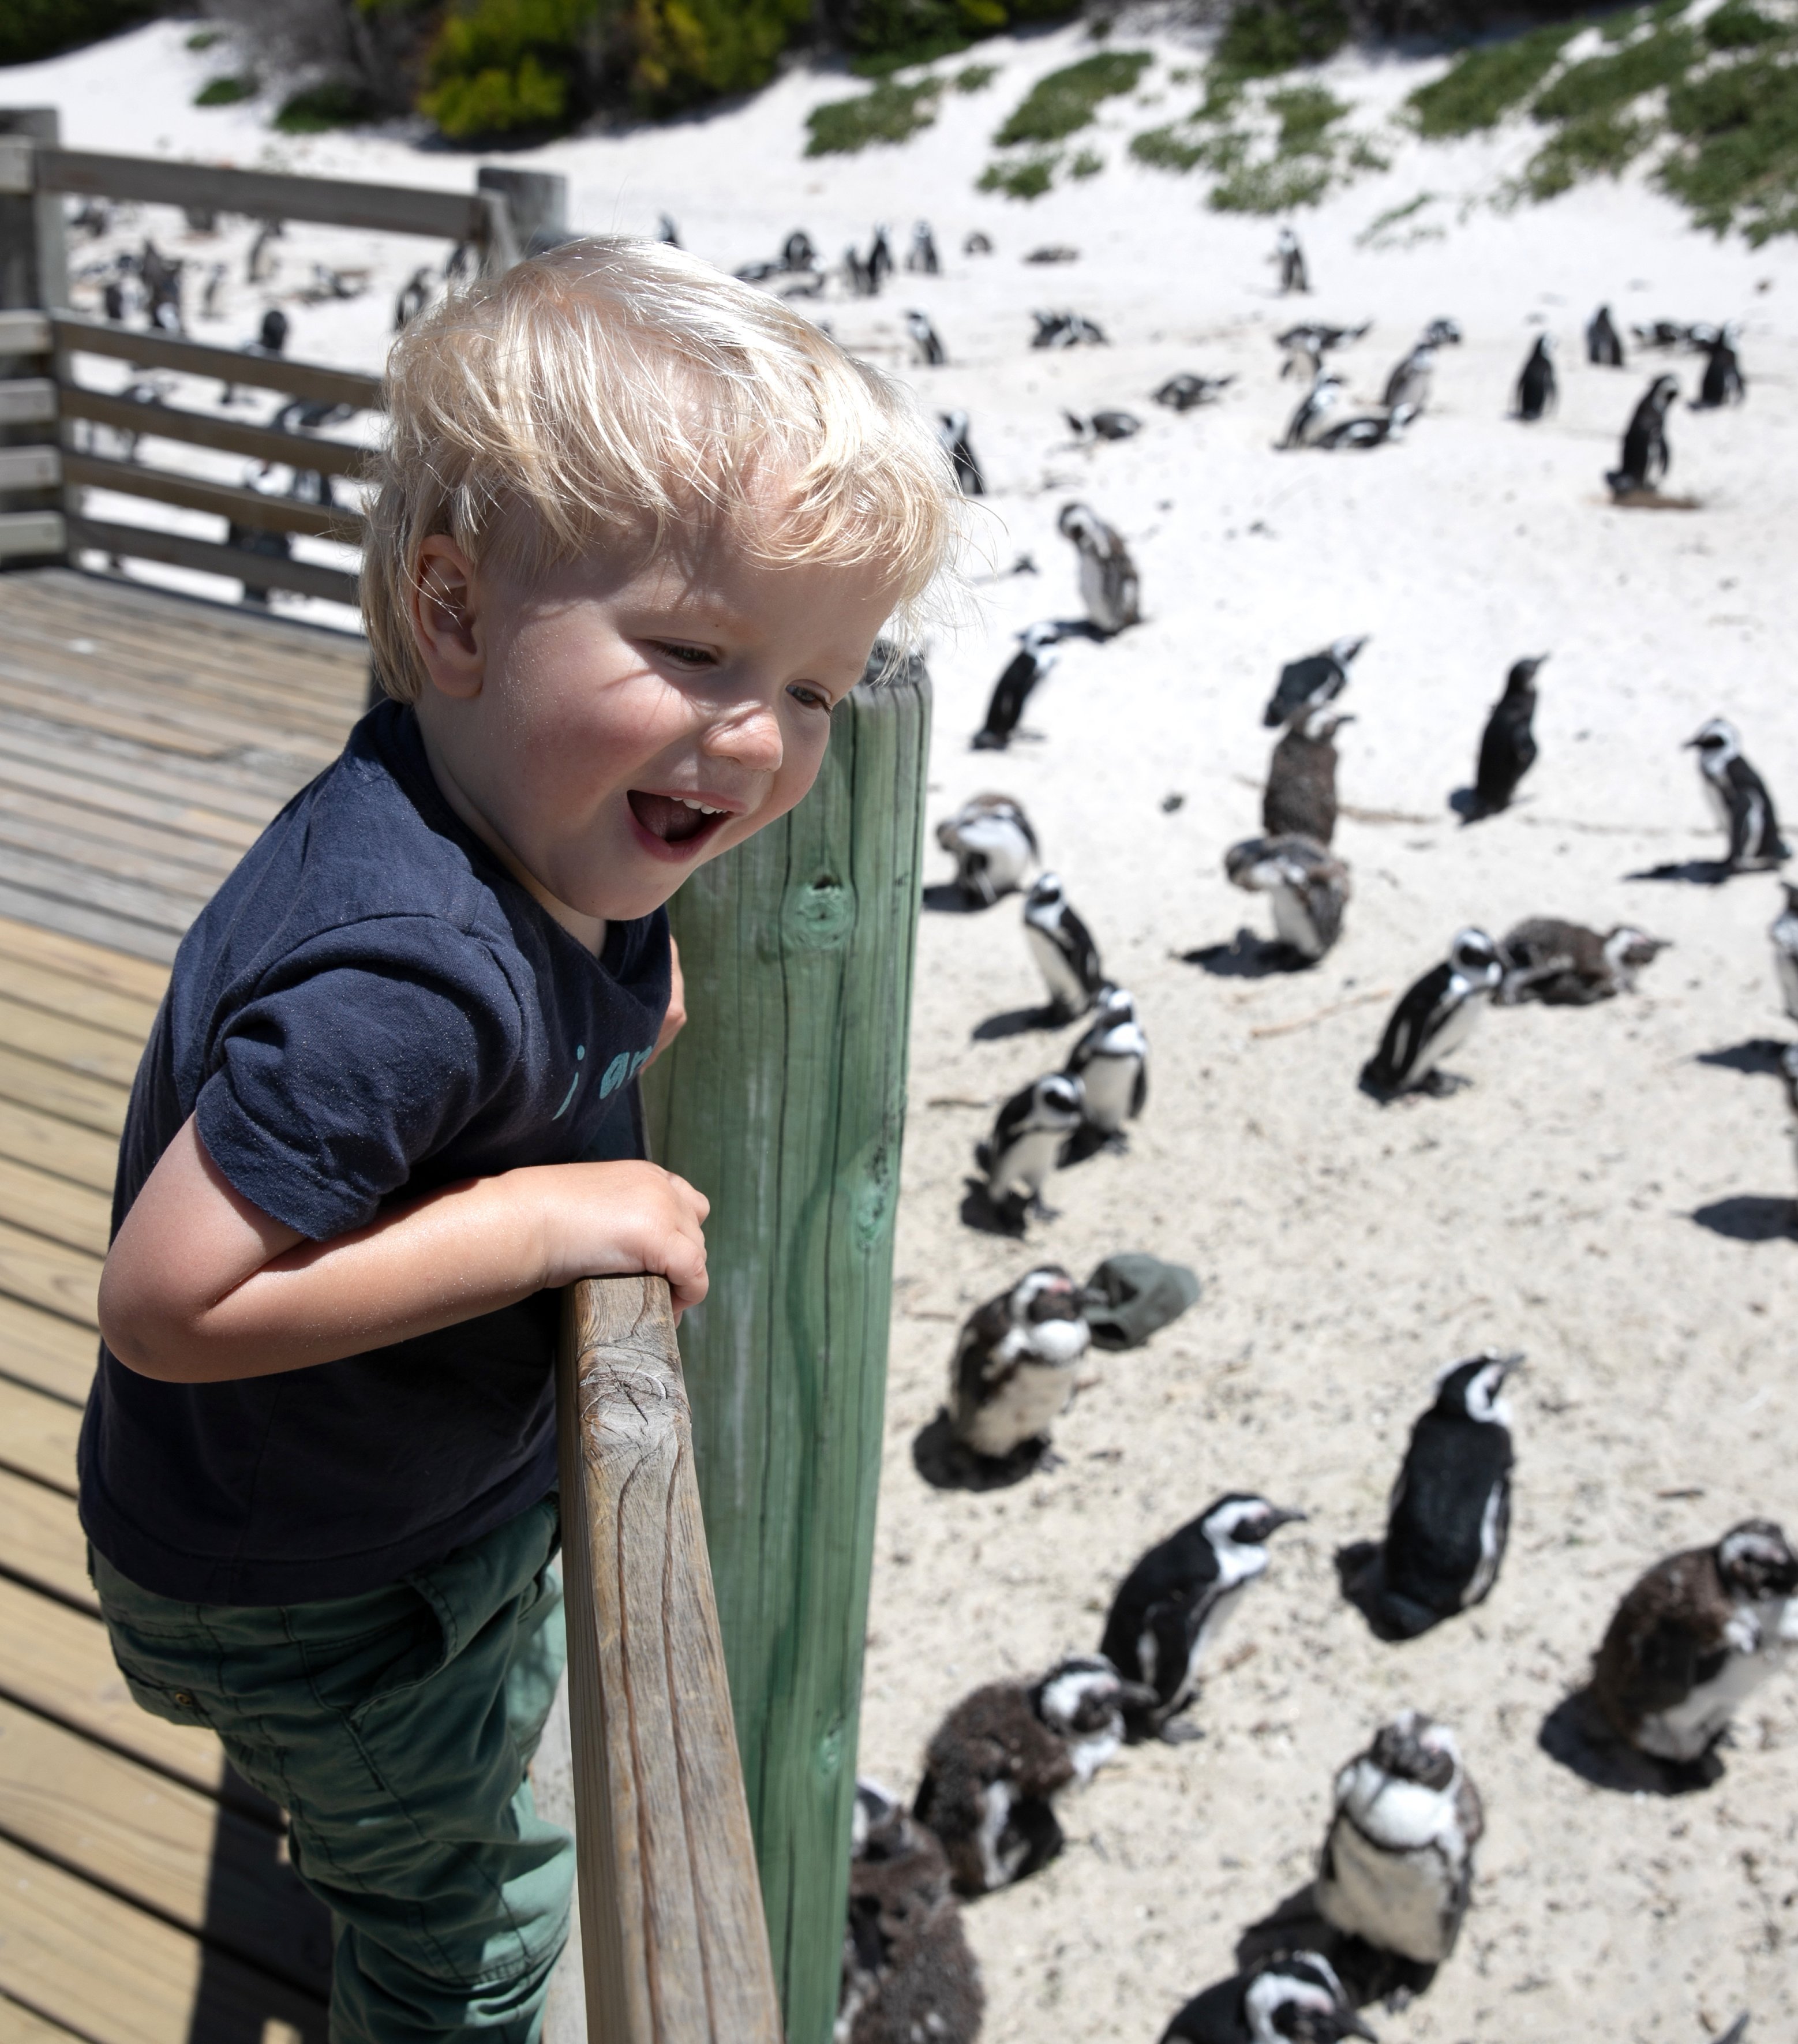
(1026, 1142)
(1739, 798)
(1397, 1864)
(952, 431)
(922, 256)
(1308, 684)
(1176, 1600)
(1063, 948)
(1308, 887)
(1295, 1998)
(907, 1971)
(1435, 1017)
(1109, 585)
(1111, 1062)
(1013, 1370)
(995, 1762)
(1603, 345)
(1300, 800)
(1783, 931)
(1508, 746)
(992, 843)
(1645, 457)
(1409, 383)
(1564, 965)
(1449, 1515)
(1695, 1638)
(879, 257)
(1537, 390)
(1723, 382)
(1289, 259)
(1032, 663)
(926, 339)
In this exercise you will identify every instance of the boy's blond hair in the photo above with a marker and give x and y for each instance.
(614, 391)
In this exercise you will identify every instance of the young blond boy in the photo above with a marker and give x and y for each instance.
(637, 530)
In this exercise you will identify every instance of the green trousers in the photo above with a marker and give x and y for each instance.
(395, 1729)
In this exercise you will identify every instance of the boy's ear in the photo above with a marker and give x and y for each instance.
(445, 622)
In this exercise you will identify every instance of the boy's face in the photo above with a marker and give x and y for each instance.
(577, 723)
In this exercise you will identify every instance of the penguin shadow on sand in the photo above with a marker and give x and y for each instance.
(1751, 1217)
(1018, 1022)
(1691, 872)
(945, 1463)
(1247, 956)
(1575, 1734)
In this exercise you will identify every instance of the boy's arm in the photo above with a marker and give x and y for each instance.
(201, 1287)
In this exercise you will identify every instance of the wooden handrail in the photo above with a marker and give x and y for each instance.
(149, 348)
(154, 420)
(673, 1935)
(242, 507)
(176, 550)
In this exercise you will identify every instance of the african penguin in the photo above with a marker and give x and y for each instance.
(1308, 889)
(1108, 576)
(1508, 746)
(1293, 1999)
(1308, 684)
(1723, 383)
(1435, 1018)
(1451, 1510)
(1066, 330)
(1289, 259)
(880, 256)
(1409, 383)
(1442, 333)
(922, 256)
(926, 339)
(1537, 391)
(1788, 1071)
(1299, 799)
(1176, 1600)
(1603, 346)
(1013, 1371)
(1783, 931)
(1102, 426)
(1739, 798)
(1034, 662)
(952, 431)
(997, 1760)
(1306, 344)
(1309, 420)
(1111, 1062)
(1397, 1864)
(1695, 1638)
(1026, 1142)
(1181, 393)
(1645, 457)
(1364, 429)
(992, 843)
(1565, 965)
(1063, 948)
(909, 1977)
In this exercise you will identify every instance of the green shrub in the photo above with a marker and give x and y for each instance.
(687, 51)
(1484, 85)
(1736, 25)
(1602, 83)
(498, 66)
(890, 35)
(1263, 37)
(1605, 141)
(975, 78)
(1739, 129)
(500, 100)
(1307, 113)
(889, 113)
(33, 29)
(1166, 149)
(1278, 186)
(1087, 163)
(203, 38)
(1026, 180)
(334, 103)
(1066, 100)
(228, 91)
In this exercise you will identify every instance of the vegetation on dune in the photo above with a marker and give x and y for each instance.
(1735, 156)
(975, 78)
(1482, 87)
(1306, 114)
(228, 91)
(1601, 85)
(1268, 148)
(891, 113)
(886, 36)
(1602, 141)
(1028, 178)
(33, 29)
(1066, 101)
(1264, 38)
(318, 108)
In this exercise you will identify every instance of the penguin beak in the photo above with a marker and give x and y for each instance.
(1284, 1515)
(1508, 1364)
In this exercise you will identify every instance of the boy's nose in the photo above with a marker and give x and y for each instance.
(749, 737)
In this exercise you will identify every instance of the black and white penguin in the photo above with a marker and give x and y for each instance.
(1645, 457)
(1299, 799)
(1435, 1017)
(1033, 663)
(1309, 683)
(907, 1974)
(1102, 426)
(922, 256)
(1177, 1599)
(952, 431)
(1739, 798)
(1181, 393)
(1308, 886)
(1364, 429)
(1313, 412)
(1066, 329)
(1783, 931)
(978, 243)
(1788, 1072)
(992, 844)
(1508, 746)
(1027, 1139)
(1694, 1640)
(797, 253)
(1723, 382)
(1449, 1515)
(1288, 258)
(1442, 333)
(879, 257)
(1564, 965)
(1013, 1374)
(1603, 345)
(1108, 585)
(1111, 1062)
(1397, 1864)
(1295, 1999)
(999, 1758)
(926, 339)
(1409, 383)
(1304, 346)
(1537, 390)
(669, 235)
(1063, 948)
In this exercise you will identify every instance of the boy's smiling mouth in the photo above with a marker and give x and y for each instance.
(674, 825)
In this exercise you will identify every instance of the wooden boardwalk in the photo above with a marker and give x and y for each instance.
(145, 1897)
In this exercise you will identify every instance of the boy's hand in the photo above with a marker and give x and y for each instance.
(606, 1220)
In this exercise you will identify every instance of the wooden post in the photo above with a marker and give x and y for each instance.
(783, 1100)
(674, 1941)
(34, 279)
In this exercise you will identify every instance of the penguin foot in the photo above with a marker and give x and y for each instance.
(1439, 1085)
(990, 741)
(1180, 1732)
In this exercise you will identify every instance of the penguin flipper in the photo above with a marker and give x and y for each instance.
(1139, 1092)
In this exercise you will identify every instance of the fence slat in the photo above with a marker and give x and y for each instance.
(149, 349)
(177, 550)
(242, 507)
(172, 422)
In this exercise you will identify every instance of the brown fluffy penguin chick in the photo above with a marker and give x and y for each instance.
(1568, 966)
(1300, 797)
(1695, 1638)
(909, 1977)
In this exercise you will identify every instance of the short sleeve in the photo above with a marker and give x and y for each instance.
(358, 1055)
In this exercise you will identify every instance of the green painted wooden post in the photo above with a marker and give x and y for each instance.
(784, 1100)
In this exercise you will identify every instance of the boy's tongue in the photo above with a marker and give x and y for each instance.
(663, 817)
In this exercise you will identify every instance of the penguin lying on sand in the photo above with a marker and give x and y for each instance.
(1364, 430)
(1026, 1141)
(1435, 1019)
(1063, 948)
(1309, 342)
(1066, 330)
(1014, 1366)
(1182, 392)
(1001, 1756)
(1108, 585)
(1739, 798)
(1312, 416)
(907, 1974)
(1176, 1600)
(1565, 965)
(1604, 349)
(1645, 457)
(1102, 426)
(1110, 1061)
(1694, 1640)
(1033, 663)
(1295, 1999)
(1537, 390)
(1308, 684)
(1783, 931)
(1396, 1869)
(1508, 746)
(1300, 800)
(993, 843)
(1449, 1515)
(1308, 889)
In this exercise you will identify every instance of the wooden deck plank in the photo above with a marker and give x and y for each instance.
(115, 1973)
(20, 2025)
(51, 698)
(55, 911)
(37, 1436)
(77, 1216)
(60, 993)
(90, 1103)
(145, 901)
(48, 1353)
(94, 965)
(69, 785)
(235, 790)
(63, 1039)
(47, 1274)
(61, 838)
(41, 1542)
(47, 1143)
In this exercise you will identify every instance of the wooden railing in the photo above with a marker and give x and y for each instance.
(674, 1939)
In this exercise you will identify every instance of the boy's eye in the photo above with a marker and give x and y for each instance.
(688, 656)
(813, 698)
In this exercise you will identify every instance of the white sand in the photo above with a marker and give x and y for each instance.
(1346, 1251)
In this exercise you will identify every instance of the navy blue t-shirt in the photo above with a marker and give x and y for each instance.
(370, 1006)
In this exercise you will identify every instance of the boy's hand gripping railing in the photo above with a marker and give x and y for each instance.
(675, 1943)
